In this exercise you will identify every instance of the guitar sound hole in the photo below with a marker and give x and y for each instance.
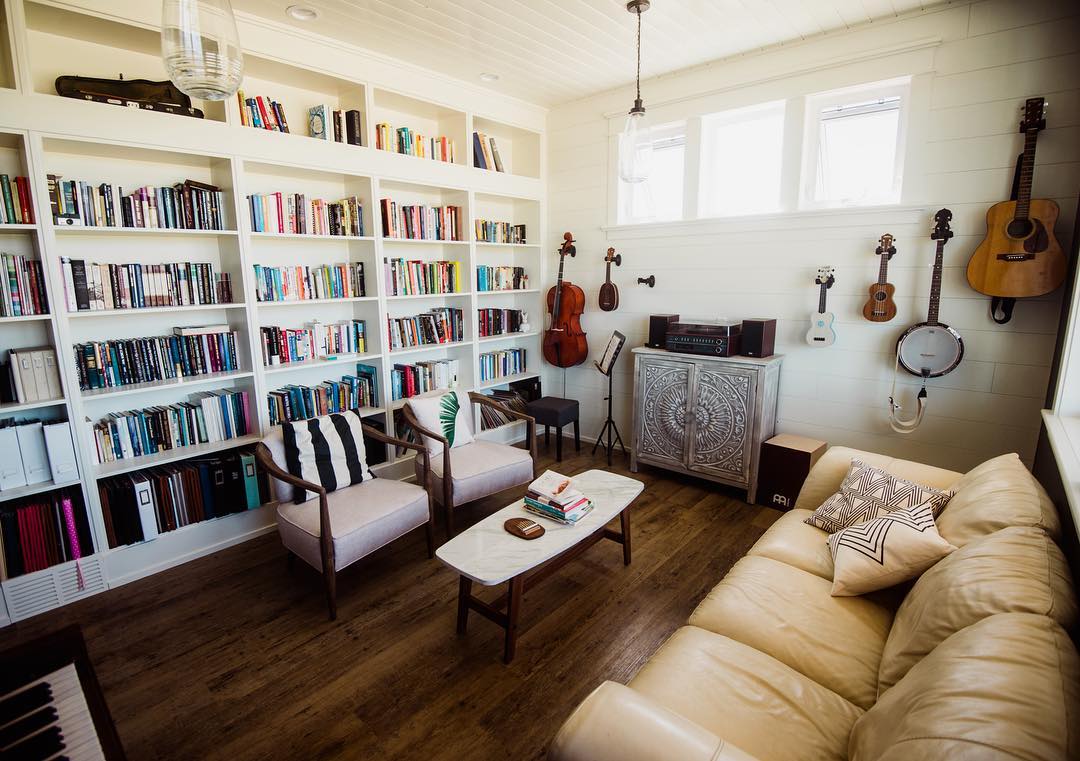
(1020, 228)
(881, 296)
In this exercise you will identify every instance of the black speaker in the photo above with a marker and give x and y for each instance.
(658, 328)
(758, 337)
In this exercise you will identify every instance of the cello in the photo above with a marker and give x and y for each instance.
(564, 341)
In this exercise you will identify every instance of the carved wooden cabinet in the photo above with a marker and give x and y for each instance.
(705, 416)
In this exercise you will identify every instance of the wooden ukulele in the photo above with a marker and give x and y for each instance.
(609, 292)
(1020, 256)
(880, 307)
(821, 331)
(564, 342)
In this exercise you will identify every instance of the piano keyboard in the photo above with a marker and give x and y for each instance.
(48, 719)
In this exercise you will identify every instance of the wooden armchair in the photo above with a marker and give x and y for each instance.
(478, 469)
(349, 523)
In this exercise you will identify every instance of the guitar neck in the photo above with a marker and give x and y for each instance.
(883, 269)
(935, 284)
(821, 298)
(1027, 172)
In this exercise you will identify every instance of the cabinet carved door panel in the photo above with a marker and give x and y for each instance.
(664, 388)
(721, 422)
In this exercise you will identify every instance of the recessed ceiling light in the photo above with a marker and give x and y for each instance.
(487, 76)
(302, 12)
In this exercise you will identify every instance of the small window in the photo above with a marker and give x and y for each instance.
(853, 148)
(659, 198)
(742, 155)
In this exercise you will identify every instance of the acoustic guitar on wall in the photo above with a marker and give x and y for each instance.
(1020, 257)
(821, 331)
(880, 307)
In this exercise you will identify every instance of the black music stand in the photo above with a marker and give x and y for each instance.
(605, 366)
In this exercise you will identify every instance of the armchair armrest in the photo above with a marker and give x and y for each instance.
(616, 723)
(446, 477)
(529, 420)
(326, 542)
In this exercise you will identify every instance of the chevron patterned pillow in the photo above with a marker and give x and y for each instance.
(886, 551)
(867, 493)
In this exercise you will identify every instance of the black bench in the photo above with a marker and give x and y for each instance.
(552, 411)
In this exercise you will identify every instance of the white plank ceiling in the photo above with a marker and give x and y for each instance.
(552, 51)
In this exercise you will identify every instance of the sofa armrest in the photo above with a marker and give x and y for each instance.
(616, 723)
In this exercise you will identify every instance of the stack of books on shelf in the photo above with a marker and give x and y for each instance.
(261, 112)
(187, 205)
(486, 152)
(501, 279)
(500, 364)
(499, 322)
(303, 283)
(436, 326)
(416, 277)
(510, 397)
(554, 497)
(22, 286)
(209, 417)
(90, 287)
(187, 352)
(282, 346)
(499, 232)
(336, 125)
(419, 378)
(139, 506)
(352, 392)
(42, 531)
(30, 375)
(36, 453)
(416, 222)
(293, 213)
(16, 203)
(404, 140)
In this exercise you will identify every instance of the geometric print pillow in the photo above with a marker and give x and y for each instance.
(886, 550)
(868, 492)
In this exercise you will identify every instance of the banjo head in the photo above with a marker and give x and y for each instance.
(930, 350)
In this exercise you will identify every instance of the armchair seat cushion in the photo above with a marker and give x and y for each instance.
(481, 468)
(363, 518)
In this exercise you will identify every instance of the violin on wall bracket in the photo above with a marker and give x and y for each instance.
(564, 342)
(880, 307)
(609, 292)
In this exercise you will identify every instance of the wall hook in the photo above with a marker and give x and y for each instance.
(649, 281)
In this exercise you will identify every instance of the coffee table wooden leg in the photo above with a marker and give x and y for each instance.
(513, 607)
(624, 521)
(464, 592)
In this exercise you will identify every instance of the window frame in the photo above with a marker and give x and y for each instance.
(675, 132)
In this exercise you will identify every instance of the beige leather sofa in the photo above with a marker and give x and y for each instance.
(972, 661)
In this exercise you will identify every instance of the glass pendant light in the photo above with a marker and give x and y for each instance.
(201, 48)
(635, 142)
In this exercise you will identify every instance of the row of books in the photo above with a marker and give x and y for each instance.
(554, 497)
(436, 326)
(304, 283)
(139, 506)
(187, 205)
(35, 453)
(419, 378)
(499, 322)
(418, 222)
(499, 232)
(30, 375)
(16, 202)
(89, 286)
(336, 125)
(210, 416)
(42, 531)
(417, 277)
(188, 352)
(352, 392)
(500, 364)
(293, 213)
(403, 140)
(486, 153)
(282, 346)
(22, 286)
(515, 397)
(501, 278)
(261, 112)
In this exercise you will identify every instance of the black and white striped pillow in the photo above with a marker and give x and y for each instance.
(326, 450)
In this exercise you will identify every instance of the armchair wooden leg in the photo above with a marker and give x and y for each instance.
(331, 591)
(450, 533)
(429, 530)
(290, 561)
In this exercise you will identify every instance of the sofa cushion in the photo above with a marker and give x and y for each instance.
(791, 540)
(748, 698)
(1015, 570)
(448, 413)
(790, 615)
(481, 468)
(1007, 687)
(995, 495)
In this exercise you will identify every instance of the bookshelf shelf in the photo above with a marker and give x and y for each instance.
(429, 347)
(361, 411)
(18, 228)
(192, 381)
(306, 237)
(487, 244)
(406, 297)
(506, 379)
(508, 292)
(139, 231)
(299, 302)
(341, 359)
(153, 310)
(32, 489)
(26, 318)
(9, 408)
(507, 336)
(104, 470)
(426, 241)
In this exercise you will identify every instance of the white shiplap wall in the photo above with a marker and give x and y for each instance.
(977, 63)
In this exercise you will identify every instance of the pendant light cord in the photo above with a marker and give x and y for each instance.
(639, 54)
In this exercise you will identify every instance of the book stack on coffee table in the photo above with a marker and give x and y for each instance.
(554, 497)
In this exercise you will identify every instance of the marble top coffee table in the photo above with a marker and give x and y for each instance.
(487, 554)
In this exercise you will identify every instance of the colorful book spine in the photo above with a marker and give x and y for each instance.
(502, 364)
(415, 277)
(418, 222)
(304, 283)
(437, 326)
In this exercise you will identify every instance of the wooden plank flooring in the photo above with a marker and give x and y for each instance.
(232, 657)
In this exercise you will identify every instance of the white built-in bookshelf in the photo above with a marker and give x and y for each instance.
(41, 134)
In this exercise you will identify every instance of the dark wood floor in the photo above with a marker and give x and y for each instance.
(232, 657)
